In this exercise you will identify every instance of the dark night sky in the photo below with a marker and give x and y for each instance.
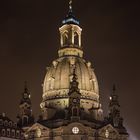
(29, 39)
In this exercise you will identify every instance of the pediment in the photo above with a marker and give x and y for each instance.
(67, 130)
(108, 131)
(36, 130)
(37, 126)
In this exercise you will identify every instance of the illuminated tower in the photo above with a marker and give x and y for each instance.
(25, 117)
(114, 110)
(59, 74)
(70, 36)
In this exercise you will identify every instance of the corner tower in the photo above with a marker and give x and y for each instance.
(114, 109)
(25, 117)
(59, 74)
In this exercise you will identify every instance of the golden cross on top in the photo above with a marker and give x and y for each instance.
(70, 4)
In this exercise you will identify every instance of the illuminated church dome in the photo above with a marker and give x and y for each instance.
(58, 77)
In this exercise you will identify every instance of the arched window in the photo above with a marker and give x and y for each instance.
(76, 38)
(65, 38)
(75, 111)
(8, 132)
(17, 134)
(13, 133)
(10, 124)
(25, 120)
(3, 132)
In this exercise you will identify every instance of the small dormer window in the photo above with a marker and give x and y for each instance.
(10, 124)
(15, 125)
(6, 123)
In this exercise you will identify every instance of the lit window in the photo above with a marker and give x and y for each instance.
(106, 133)
(75, 130)
(38, 133)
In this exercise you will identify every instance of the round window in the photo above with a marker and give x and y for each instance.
(75, 130)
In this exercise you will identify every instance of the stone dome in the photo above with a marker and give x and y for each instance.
(59, 75)
(57, 82)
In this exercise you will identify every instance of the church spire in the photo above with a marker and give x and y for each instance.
(70, 18)
(114, 109)
(26, 95)
(25, 116)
